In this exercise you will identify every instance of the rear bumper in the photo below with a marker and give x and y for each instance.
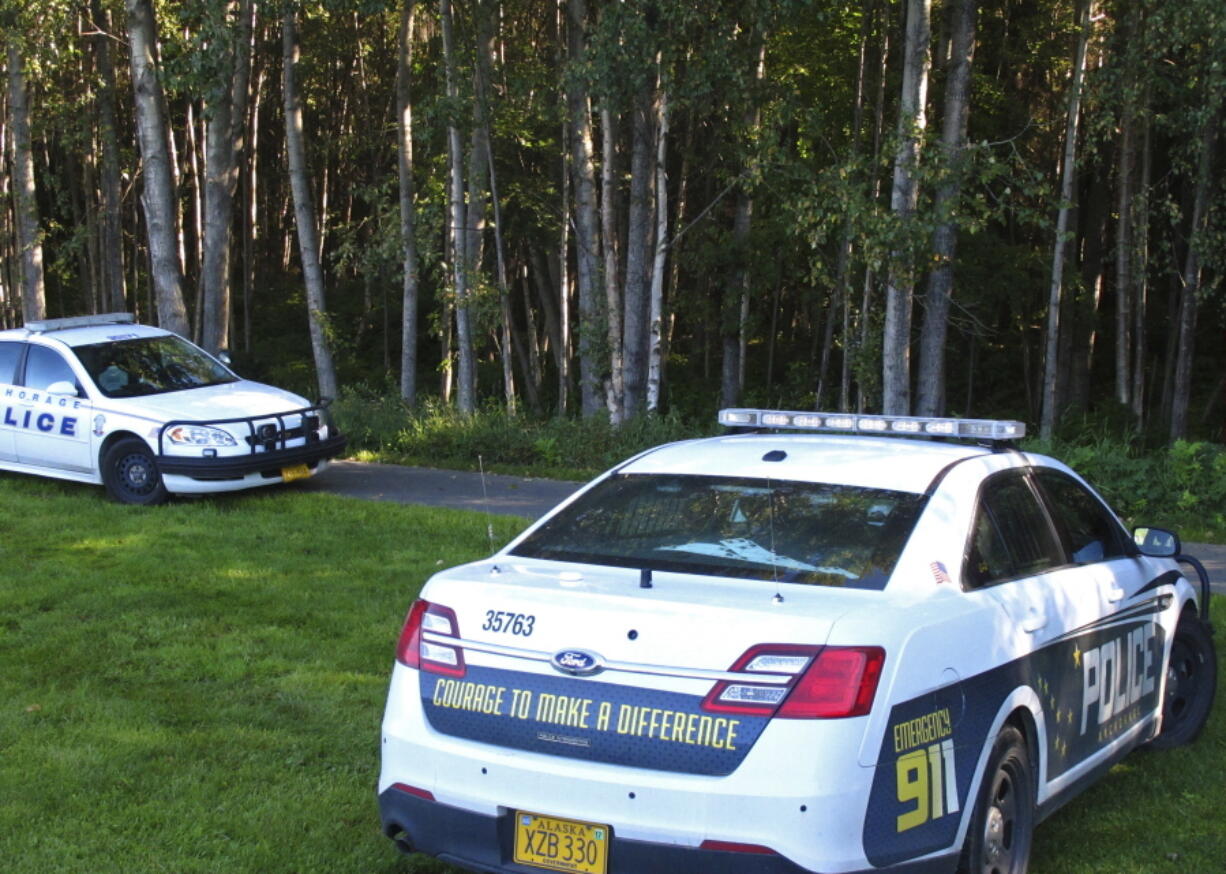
(266, 464)
(482, 843)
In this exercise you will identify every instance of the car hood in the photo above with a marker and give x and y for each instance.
(233, 400)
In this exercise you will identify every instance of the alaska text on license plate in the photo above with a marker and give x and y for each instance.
(561, 844)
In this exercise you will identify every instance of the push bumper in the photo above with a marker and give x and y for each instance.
(268, 464)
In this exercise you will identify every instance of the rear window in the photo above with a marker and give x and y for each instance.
(789, 532)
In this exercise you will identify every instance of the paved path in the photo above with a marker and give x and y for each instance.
(530, 497)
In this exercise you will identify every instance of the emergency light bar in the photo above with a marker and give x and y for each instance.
(904, 426)
(42, 326)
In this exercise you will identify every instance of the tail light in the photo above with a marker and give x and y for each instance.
(802, 682)
(420, 645)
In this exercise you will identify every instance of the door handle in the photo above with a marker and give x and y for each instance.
(1115, 594)
(1034, 621)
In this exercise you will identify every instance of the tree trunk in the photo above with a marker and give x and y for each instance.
(1189, 298)
(655, 354)
(111, 243)
(408, 214)
(587, 239)
(466, 394)
(1051, 361)
(635, 323)
(1141, 274)
(225, 127)
(29, 236)
(304, 208)
(1123, 234)
(159, 199)
(900, 289)
(614, 388)
(931, 400)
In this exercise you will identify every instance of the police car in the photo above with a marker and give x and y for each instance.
(101, 399)
(829, 645)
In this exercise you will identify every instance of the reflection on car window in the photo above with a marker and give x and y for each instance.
(1090, 532)
(9, 353)
(46, 366)
(1012, 536)
(149, 365)
(786, 531)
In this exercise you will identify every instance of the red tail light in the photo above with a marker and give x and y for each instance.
(416, 650)
(802, 682)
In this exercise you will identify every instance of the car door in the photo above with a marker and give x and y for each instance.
(10, 357)
(1054, 611)
(52, 430)
(1122, 666)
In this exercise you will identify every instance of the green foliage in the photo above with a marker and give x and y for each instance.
(1182, 488)
(379, 425)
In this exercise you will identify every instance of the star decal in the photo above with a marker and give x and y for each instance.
(1077, 656)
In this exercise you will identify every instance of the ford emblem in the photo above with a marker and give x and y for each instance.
(577, 662)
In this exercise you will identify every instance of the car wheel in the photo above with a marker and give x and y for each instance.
(1191, 681)
(131, 474)
(1002, 824)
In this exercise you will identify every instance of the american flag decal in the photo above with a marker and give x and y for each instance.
(939, 573)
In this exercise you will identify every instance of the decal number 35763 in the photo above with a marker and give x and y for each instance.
(509, 623)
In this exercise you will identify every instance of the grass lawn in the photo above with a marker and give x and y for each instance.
(198, 688)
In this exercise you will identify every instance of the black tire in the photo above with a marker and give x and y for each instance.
(1191, 682)
(1002, 823)
(131, 473)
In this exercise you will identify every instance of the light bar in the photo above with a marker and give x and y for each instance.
(41, 326)
(903, 426)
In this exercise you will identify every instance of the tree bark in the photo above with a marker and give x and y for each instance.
(1051, 361)
(29, 236)
(466, 390)
(933, 335)
(635, 322)
(587, 235)
(408, 212)
(614, 388)
(111, 243)
(900, 289)
(655, 354)
(1189, 298)
(304, 208)
(159, 199)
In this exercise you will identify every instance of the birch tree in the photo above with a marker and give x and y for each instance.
(29, 235)
(408, 211)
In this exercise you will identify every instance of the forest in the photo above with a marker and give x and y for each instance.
(613, 209)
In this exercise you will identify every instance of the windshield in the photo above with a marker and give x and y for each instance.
(141, 366)
(793, 532)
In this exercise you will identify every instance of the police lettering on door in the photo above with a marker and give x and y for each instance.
(44, 420)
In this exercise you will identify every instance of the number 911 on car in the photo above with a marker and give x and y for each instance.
(817, 643)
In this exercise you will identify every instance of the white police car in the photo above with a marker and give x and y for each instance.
(101, 399)
(791, 652)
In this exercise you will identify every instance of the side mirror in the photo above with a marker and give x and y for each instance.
(1157, 542)
(62, 387)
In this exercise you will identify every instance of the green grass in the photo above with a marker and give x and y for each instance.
(198, 688)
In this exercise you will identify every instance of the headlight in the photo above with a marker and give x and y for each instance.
(196, 435)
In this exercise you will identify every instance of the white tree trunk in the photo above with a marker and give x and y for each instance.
(655, 357)
(408, 214)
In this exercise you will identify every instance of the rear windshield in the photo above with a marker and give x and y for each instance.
(140, 366)
(792, 532)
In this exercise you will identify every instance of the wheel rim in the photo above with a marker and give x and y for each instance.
(1182, 682)
(136, 474)
(1000, 826)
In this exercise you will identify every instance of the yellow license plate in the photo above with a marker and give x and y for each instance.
(561, 844)
(298, 471)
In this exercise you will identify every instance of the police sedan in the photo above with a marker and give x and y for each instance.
(838, 643)
(101, 399)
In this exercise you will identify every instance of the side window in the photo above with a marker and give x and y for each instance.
(1012, 536)
(1090, 532)
(9, 353)
(45, 366)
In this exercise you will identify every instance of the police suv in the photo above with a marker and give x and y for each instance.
(101, 399)
(813, 648)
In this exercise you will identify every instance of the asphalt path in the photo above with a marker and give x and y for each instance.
(531, 497)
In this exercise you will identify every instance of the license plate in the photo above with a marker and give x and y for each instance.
(298, 471)
(561, 844)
